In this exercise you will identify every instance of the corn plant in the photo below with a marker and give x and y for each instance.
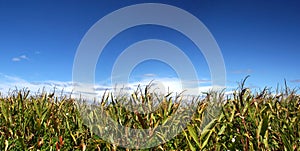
(243, 121)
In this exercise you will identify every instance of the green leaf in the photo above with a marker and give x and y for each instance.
(193, 133)
(286, 143)
(264, 125)
(192, 147)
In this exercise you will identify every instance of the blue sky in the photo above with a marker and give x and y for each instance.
(38, 41)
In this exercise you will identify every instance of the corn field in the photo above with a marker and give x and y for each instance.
(243, 121)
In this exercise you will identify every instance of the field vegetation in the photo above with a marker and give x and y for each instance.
(246, 120)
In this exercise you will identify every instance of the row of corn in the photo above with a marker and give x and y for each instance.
(243, 121)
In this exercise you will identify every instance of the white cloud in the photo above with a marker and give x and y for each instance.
(24, 57)
(8, 83)
(161, 85)
(20, 58)
(149, 75)
(16, 59)
(175, 85)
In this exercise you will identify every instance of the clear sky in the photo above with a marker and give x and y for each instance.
(39, 39)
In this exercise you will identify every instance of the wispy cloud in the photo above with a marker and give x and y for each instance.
(8, 82)
(295, 81)
(150, 75)
(202, 81)
(24, 57)
(246, 71)
(20, 58)
(161, 85)
(15, 59)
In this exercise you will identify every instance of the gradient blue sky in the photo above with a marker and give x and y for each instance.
(38, 39)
